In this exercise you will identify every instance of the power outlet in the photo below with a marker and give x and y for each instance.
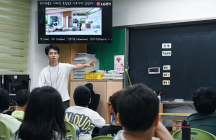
(166, 53)
(166, 74)
(166, 67)
(166, 45)
(166, 82)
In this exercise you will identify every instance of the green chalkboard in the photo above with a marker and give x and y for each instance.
(192, 60)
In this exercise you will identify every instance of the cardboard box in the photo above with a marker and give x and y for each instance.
(176, 128)
(177, 123)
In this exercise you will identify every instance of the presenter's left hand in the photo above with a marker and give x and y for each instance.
(91, 64)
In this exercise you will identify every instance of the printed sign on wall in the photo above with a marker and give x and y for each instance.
(166, 82)
(166, 67)
(166, 74)
(119, 63)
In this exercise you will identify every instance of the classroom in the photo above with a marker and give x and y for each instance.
(167, 45)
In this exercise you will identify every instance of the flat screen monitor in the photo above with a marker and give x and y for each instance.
(79, 22)
(14, 83)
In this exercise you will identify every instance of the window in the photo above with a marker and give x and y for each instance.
(14, 36)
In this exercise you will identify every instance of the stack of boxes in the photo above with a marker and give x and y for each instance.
(176, 125)
(84, 58)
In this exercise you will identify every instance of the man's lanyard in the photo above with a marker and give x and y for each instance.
(51, 78)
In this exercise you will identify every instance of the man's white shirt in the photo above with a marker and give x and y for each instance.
(57, 77)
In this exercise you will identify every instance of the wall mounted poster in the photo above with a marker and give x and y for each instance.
(119, 63)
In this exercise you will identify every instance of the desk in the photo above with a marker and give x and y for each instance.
(174, 116)
(174, 103)
(105, 88)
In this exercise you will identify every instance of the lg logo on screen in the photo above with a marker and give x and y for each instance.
(103, 4)
(98, 3)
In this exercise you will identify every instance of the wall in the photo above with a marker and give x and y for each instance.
(37, 58)
(129, 12)
(105, 53)
(69, 19)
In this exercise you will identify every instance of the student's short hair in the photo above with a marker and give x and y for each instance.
(82, 96)
(114, 101)
(52, 46)
(22, 97)
(4, 100)
(138, 107)
(204, 100)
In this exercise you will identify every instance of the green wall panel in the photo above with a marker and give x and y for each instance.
(105, 52)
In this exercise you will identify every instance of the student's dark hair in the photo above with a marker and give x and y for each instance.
(82, 96)
(44, 115)
(114, 101)
(204, 100)
(22, 97)
(4, 100)
(52, 46)
(138, 107)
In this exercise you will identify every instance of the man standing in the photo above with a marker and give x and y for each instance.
(56, 74)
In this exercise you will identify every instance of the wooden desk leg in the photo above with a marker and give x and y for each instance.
(161, 110)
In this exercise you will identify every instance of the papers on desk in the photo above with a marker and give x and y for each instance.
(85, 55)
(113, 76)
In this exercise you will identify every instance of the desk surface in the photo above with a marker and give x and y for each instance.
(174, 103)
(174, 116)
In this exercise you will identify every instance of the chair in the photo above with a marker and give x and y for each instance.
(4, 131)
(95, 98)
(71, 130)
(196, 134)
(103, 138)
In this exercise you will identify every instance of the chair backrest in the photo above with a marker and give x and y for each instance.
(4, 131)
(196, 134)
(71, 130)
(103, 138)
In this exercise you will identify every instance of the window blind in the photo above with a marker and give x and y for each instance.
(14, 36)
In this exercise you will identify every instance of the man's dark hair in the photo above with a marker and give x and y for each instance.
(4, 100)
(52, 46)
(138, 107)
(22, 97)
(204, 100)
(114, 101)
(82, 96)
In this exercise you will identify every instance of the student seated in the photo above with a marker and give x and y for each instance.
(21, 99)
(12, 123)
(44, 116)
(83, 118)
(205, 104)
(112, 129)
(138, 108)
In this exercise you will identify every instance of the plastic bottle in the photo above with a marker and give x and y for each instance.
(186, 130)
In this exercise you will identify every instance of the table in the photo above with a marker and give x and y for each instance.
(174, 116)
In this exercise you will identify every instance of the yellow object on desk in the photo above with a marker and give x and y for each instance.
(174, 116)
(94, 76)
